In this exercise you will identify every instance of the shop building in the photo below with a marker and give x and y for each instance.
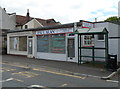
(57, 42)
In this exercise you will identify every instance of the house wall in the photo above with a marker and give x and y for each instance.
(32, 24)
(18, 27)
(7, 21)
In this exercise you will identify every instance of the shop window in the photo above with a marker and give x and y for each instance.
(14, 43)
(88, 40)
(57, 43)
(23, 43)
(101, 37)
(43, 43)
(51, 43)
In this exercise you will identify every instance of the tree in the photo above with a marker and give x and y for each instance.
(113, 19)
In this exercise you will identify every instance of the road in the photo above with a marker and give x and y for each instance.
(20, 76)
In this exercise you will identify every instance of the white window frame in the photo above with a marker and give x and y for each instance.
(89, 40)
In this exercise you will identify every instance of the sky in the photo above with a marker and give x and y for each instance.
(63, 11)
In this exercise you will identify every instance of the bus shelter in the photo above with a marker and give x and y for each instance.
(91, 34)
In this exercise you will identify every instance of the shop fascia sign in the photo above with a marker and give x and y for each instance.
(21, 33)
(86, 24)
(56, 31)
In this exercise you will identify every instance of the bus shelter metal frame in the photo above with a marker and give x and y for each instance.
(104, 32)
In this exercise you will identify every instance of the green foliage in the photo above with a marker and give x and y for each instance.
(113, 19)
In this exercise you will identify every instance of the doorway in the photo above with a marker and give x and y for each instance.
(30, 47)
(71, 49)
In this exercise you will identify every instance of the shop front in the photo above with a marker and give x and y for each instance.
(52, 43)
(56, 44)
(17, 43)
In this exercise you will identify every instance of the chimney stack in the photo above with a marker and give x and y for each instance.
(4, 9)
(28, 15)
(95, 19)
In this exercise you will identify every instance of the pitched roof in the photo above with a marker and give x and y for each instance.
(21, 20)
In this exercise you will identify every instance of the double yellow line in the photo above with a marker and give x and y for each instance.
(48, 71)
(57, 73)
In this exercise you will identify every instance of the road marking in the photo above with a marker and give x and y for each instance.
(75, 76)
(16, 65)
(10, 79)
(60, 73)
(112, 81)
(63, 85)
(5, 69)
(18, 80)
(7, 80)
(36, 86)
(26, 74)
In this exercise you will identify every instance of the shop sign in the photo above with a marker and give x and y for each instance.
(87, 25)
(20, 33)
(64, 30)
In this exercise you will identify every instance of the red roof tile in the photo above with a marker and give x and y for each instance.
(21, 20)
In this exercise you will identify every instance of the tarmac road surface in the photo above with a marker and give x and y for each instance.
(20, 76)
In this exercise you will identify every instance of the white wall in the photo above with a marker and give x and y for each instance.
(114, 42)
(32, 24)
(7, 21)
(51, 56)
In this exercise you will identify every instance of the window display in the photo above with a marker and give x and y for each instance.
(23, 43)
(18, 43)
(57, 43)
(51, 43)
(14, 43)
(43, 43)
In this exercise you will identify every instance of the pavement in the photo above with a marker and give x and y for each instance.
(68, 67)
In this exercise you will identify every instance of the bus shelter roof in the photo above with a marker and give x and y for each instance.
(85, 31)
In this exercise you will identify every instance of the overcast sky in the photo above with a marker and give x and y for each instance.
(64, 11)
